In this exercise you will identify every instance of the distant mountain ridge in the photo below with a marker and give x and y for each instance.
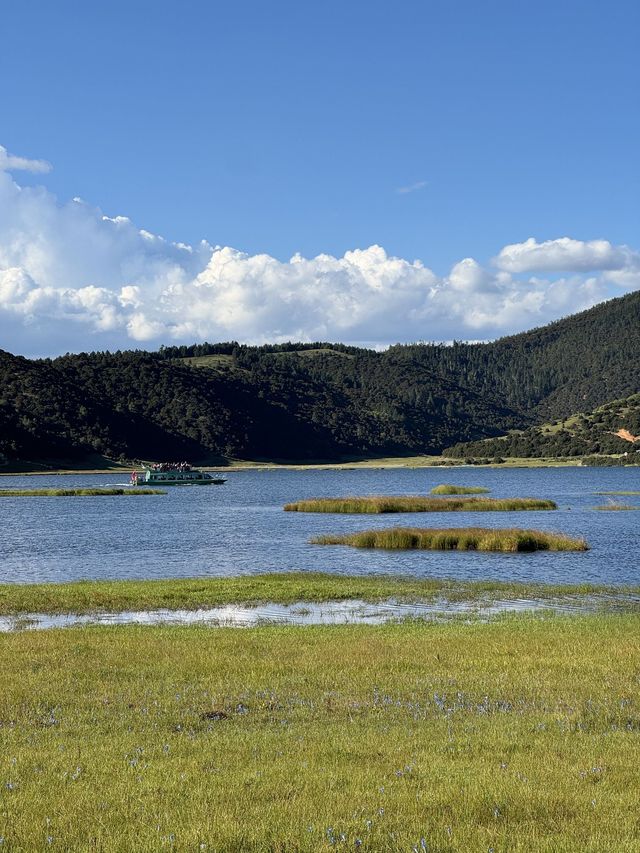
(318, 401)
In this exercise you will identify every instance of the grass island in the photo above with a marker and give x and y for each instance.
(448, 489)
(418, 503)
(456, 539)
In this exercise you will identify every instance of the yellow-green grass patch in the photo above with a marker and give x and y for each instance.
(418, 503)
(455, 539)
(448, 489)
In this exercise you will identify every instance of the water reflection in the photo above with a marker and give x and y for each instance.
(350, 612)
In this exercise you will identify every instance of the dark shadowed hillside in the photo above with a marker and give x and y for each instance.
(314, 401)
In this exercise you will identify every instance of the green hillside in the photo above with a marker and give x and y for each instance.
(610, 429)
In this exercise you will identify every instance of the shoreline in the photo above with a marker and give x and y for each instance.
(286, 588)
(437, 462)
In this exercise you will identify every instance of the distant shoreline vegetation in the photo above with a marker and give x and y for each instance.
(75, 493)
(455, 539)
(379, 504)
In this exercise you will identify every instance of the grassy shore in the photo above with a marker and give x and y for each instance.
(519, 734)
(281, 588)
(455, 539)
(448, 489)
(35, 469)
(74, 493)
(417, 503)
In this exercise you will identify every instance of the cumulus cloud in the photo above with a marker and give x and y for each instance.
(565, 254)
(9, 162)
(73, 278)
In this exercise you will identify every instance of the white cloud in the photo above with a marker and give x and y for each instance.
(74, 278)
(564, 254)
(9, 162)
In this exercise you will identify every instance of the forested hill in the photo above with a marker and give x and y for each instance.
(572, 365)
(314, 401)
(245, 403)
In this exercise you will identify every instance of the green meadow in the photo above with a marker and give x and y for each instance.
(517, 734)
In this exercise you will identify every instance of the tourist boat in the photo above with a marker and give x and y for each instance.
(174, 474)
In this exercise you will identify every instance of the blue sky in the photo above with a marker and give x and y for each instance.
(293, 127)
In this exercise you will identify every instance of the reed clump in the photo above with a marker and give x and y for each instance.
(73, 493)
(448, 489)
(417, 503)
(456, 539)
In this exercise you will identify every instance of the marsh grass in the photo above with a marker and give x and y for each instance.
(447, 489)
(520, 734)
(281, 588)
(456, 539)
(73, 493)
(418, 503)
(618, 493)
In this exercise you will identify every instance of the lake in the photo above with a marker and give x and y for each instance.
(240, 527)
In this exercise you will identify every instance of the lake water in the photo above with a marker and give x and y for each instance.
(240, 527)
